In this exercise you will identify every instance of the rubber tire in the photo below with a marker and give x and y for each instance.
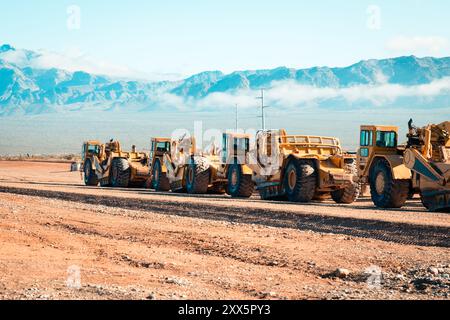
(244, 186)
(120, 173)
(200, 176)
(306, 181)
(90, 179)
(395, 192)
(429, 203)
(162, 183)
(148, 183)
(426, 202)
(411, 192)
(351, 193)
(347, 195)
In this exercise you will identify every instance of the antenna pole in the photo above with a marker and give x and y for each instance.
(237, 117)
(263, 115)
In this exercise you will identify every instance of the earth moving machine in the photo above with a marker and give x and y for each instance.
(184, 168)
(303, 168)
(234, 165)
(109, 166)
(428, 156)
(157, 169)
(380, 165)
(175, 162)
(395, 171)
(188, 170)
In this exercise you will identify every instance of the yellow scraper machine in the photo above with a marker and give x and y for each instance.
(157, 168)
(302, 168)
(394, 171)
(108, 165)
(298, 168)
(177, 165)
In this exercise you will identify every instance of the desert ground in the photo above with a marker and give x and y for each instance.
(62, 240)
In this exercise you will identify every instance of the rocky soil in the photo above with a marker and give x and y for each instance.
(61, 240)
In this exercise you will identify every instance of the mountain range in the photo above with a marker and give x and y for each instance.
(28, 88)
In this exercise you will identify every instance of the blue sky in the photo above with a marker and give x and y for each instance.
(185, 37)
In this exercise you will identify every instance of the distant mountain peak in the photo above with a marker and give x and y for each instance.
(24, 86)
(6, 47)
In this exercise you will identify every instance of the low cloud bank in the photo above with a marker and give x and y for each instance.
(291, 95)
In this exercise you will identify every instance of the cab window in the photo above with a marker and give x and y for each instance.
(242, 144)
(224, 148)
(364, 152)
(386, 139)
(269, 145)
(93, 149)
(224, 143)
(366, 138)
(163, 146)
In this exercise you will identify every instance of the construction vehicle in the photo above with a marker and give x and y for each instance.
(184, 168)
(396, 171)
(234, 166)
(173, 159)
(157, 169)
(428, 156)
(302, 168)
(204, 171)
(109, 166)
(380, 165)
(188, 170)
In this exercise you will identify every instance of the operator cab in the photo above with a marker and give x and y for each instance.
(159, 147)
(235, 148)
(90, 148)
(376, 139)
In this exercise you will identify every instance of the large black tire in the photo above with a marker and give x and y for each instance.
(431, 203)
(300, 181)
(412, 192)
(120, 173)
(349, 194)
(426, 201)
(387, 192)
(197, 176)
(239, 185)
(160, 182)
(90, 178)
(148, 183)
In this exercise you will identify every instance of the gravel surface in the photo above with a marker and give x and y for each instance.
(62, 240)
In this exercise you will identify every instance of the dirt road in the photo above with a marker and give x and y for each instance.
(62, 240)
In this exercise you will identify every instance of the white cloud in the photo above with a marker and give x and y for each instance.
(18, 57)
(290, 95)
(72, 59)
(418, 45)
(244, 99)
